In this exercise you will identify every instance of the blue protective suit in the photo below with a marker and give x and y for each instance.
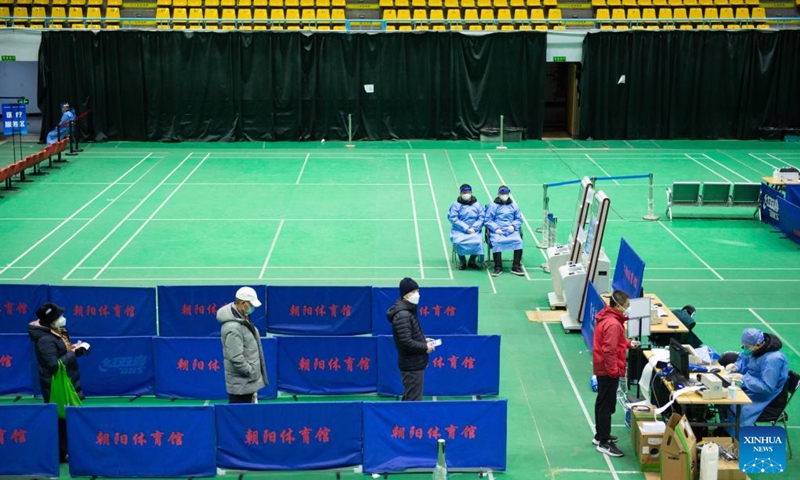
(463, 216)
(67, 116)
(499, 215)
(764, 374)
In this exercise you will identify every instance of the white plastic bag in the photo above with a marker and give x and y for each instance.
(709, 456)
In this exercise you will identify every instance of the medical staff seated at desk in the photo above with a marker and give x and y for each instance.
(763, 370)
(67, 115)
(503, 220)
(466, 218)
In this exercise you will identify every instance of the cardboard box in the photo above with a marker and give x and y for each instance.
(638, 414)
(648, 449)
(678, 450)
(727, 470)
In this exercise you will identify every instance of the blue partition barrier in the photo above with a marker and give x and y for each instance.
(288, 436)
(194, 368)
(441, 311)
(18, 304)
(107, 311)
(118, 366)
(402, 435)
(29, 440)
(191, 311)
(327, 365)
(299, 310)
(462, 365)
(593, 304)
(629, 271)
(789, 219)
(15, 364)
(141, 441)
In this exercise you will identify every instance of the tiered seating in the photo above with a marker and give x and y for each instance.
(61, 13)
(672, 14)
(471, 14)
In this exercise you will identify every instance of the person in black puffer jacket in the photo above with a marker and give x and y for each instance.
(52, 343)
(412, 345)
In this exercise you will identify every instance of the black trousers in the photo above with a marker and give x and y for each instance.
(605, 406)
(62, 440)
(249, 398)
(412, 385)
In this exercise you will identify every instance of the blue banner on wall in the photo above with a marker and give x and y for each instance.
(319, 310)
(300, 436)
(29, 440)
(107, 311)
(118, 366)
(402, 435)
(629, 271)
(18, 305)
(790, 220)
(15, 364)
(191, 311)
(592, 306)
(194, 368)
(141, 441)
(327, 365)
(441, 310)
(461, 365)
(769, 205)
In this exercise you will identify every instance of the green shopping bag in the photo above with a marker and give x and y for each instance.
(62, 392)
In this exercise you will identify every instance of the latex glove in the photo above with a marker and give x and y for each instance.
(736, 378)
(636, 344)
(470, 230)
(730, 368)
(499, 231)
(431, 348)
(511, 229)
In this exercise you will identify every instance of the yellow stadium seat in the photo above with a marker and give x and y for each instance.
(726, 13)
(437, 19)
(73, 3)
(291, 3)
(471, 17)
(484, 3)
(736, 2)
(228, 3)
(245, 18)
(308, 16)
(753, 3)
(603, 14)
(404, 19)
(687, 26)
(307, 4)
(690, 3)
(272, 3)
(194, 3)
(621, 27)
(435, 3)
(614, 3)
(742, 13)
(260, 19)
(680, 14)
(179, 3)
(323, 19)
(645, 3)
(211, 3)
(521, 15)
(720, 2)
(696, 13)
(660, 3)
(554, 14)
(75, 17)
(164, 3)
(389, 14)
(467, 4)
(113, 3)
(706, 3)
(517, 3)
(762, 26)
(38, 15)
(665, 14)
(533, 3)
(419, 3)
(55, 2)
(710, 13)
(93, 3)
(402, 3)
(420, 17)
(93, 17)
(487, 19)
(500, 3)
(454, 19)
(211, 17)
(277, 17)
(339, 3)
(629, 3)
(635, 13)
(35, 2)
(244, 4)
(323, 3)
(675, 3)
(451, 4)
(618, 14)
(386, 4)
(759, 12)
(228, 18)
(292, 19)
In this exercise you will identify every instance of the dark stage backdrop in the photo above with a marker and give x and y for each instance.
(689, 84)
(174, 86)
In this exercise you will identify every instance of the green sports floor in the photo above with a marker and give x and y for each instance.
(322, 214)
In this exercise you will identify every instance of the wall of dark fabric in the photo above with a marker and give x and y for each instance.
(689, 84)
(223, 86)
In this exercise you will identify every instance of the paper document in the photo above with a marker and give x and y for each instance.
(435, 343)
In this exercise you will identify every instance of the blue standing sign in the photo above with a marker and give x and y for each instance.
(629, 271)
(593, 304)
(30, 441)
(15, 119)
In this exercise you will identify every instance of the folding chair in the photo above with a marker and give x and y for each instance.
(776, 410)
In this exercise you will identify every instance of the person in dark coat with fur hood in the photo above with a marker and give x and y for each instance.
(412, 345)
(51, 344)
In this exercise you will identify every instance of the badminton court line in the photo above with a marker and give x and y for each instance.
(302, 169)
(103, 240)
(601, 168)
(690, 250)
(32, 247)
(774, 332)
(728, 169)
(758, 172)
(155, 212)
(535, 423)
(577, 395)
(438, 217)
(781, 160)
(414, 211)
(56, 250)
(762, 160)
(271, 248)
(706, 167)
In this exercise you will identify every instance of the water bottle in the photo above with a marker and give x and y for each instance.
(593, 383)
(440, 471)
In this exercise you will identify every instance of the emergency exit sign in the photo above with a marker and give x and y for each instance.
(559, 59)
(8, 58)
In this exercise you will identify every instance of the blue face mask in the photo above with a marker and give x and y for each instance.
(251, 310)
(746, 352)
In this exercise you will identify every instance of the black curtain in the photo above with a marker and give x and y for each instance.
(215, 86)
(689, 84)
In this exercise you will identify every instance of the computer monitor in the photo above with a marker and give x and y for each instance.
(679, 358)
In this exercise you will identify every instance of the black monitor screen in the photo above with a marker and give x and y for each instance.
(679, 358)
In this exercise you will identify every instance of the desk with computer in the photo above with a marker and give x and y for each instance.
(692, 385)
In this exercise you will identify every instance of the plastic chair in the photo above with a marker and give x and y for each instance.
(682, 193)
(774, 413)
(716, 193)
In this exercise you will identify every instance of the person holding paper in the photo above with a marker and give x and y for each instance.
(51, 345)
(245, 369)
(609, 349)
(412, 345)
(466, 218)
(503, 220)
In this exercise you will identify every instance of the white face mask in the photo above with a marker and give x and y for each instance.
(503, 198)
(61, 322)
(627, 312)
(466, 197)
(413, 298)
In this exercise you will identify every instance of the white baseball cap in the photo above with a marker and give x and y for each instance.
(248, 295)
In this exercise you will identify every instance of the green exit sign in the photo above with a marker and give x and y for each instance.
(8, 58)
(559, 59)
(22, 101)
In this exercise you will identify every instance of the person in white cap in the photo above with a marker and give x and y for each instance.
(245, 370)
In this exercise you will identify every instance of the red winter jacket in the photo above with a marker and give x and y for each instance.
(610, 343)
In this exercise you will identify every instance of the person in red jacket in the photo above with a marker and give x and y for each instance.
(608, 362)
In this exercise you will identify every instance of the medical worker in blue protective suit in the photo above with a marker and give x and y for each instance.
(466, 218)
(763, 369)
(67, 115)
(503, 221)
